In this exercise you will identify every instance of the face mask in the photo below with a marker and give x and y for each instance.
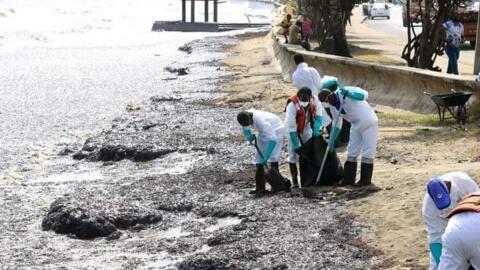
(304, 103)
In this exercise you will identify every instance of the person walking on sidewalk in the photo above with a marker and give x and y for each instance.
(270, 137)
(305, 76)
(454, 37)
(363, 132)
(285, 24)
(303, 119)
(442, 195)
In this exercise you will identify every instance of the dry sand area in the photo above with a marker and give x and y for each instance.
(411, 149)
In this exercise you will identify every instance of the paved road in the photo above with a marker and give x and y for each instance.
(390, 37)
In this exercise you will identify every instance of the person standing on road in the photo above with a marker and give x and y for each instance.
(270, 136)
(363, 131)
(305, 76)
(303, 119)
(286, 23)
(443, 194)
(454, 37)
(461, 240)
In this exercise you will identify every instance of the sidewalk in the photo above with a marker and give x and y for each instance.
(384, 40)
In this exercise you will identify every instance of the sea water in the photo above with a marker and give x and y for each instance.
(67, 68)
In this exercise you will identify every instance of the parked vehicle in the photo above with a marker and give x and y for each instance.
(379, 10)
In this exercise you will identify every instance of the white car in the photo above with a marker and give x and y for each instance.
(379, 10)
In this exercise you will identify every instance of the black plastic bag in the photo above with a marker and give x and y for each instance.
(311, 156)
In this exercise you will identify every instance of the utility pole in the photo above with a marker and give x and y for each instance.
(192, 10)
(206, 10)
(184, 10)
(476, 65)
(215, 10)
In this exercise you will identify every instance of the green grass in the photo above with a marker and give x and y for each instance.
(414, 119)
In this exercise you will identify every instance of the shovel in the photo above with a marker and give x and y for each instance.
(326, 152)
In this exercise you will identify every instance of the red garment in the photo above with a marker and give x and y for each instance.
(301, 114)
(307, 27)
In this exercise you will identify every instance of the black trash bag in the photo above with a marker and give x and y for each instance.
(311, 155)
(276, 180)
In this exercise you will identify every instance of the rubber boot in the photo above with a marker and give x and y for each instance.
(259, 180)
(350, 171)
(294, 173)
(286, 183)
(366, 173)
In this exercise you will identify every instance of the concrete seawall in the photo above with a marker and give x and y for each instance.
(395, 86)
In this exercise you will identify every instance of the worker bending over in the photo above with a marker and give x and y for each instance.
(270, 135)
(461, 240)
(443, 194)
(350, 103)
(303, 119)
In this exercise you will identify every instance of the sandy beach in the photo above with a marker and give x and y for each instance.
(412, 148)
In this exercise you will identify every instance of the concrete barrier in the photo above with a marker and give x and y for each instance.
(394, 86)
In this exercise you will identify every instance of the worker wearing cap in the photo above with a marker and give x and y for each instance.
(269, 138)
(461, 240)
(350, 103)
(443, 193)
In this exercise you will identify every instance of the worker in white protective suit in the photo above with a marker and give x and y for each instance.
(305, 76)
(461, 240)
(363, 132)
(443, 194)
(304, 118)
(270, 136)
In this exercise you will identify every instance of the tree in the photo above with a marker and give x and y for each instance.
(330, 18)
(423, 48)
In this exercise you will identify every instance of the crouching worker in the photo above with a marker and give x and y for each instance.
(443, 194)
(461, 240)
(269, 141)
(350, 103)
(304, 116)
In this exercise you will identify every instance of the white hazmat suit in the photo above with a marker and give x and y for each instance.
(291, 124)
(305, 76)
(461, 242)
(364, 121)
(461, 185)
(268, 127)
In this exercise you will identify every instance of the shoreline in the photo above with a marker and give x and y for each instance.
(196, 219)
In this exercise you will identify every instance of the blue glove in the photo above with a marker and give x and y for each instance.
(294, 139)
(317, 125)
(436, 251)
(248, 134)
(268, 152)
(353, 93)
(331, 140)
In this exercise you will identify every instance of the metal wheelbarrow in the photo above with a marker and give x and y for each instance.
(454, 103)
